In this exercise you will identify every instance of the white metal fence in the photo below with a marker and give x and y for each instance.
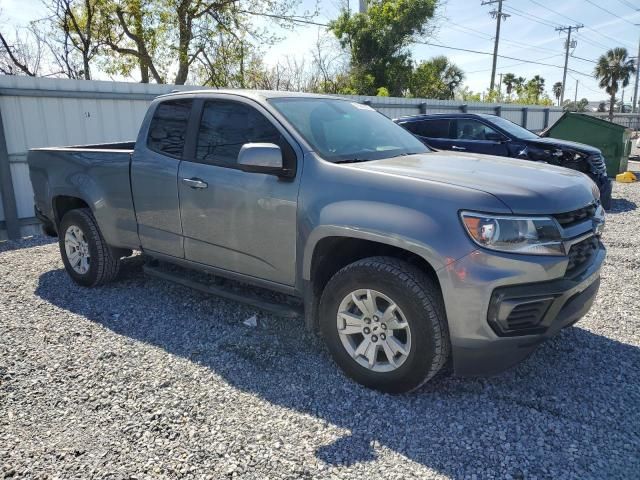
(40, 112)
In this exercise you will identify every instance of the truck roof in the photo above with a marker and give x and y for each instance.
(253, 94)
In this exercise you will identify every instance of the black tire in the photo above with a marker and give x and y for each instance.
(416, 295)
(103, 264)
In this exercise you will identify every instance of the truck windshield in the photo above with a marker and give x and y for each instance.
(344, 131)
(514, 129)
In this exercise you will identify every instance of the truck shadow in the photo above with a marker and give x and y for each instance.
(30, 242)
(577, 395)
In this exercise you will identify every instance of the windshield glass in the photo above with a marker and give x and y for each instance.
(341, 130)
(514, 129)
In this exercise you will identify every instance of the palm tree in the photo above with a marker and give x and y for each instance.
(557, 91)
(509, 80)
(536, 86)
(613, 70)
(452, 77)
(518, 83)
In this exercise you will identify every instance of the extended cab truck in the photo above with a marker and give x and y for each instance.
(404, 257)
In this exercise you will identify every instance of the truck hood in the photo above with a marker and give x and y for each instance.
(523, 186)
(548, 142)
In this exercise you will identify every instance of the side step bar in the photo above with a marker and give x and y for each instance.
(279, 309)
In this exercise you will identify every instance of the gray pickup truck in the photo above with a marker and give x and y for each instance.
(402, 258)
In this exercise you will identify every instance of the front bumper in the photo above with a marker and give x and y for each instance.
(486, 287)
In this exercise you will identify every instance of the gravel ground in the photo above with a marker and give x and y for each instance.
(145, 379)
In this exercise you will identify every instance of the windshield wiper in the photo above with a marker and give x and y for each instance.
(352, 160)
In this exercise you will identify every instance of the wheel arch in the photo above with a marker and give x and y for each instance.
(340, 247)
(61, 204)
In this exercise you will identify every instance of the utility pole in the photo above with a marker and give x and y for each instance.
(498, 15)
(575, 98)
(567, 45)
(634, 107)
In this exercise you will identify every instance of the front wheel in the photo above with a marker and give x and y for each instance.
(86, 256)
(384, 323)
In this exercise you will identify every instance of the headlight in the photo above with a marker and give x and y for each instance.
(526, 235)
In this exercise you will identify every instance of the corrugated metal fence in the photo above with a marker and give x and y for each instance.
(41, 112)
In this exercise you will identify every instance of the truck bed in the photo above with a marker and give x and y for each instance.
(99, 175)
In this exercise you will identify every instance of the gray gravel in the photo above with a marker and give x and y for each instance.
(145, 379)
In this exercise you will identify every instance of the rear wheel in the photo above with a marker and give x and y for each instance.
(86, 256)
(383, 321)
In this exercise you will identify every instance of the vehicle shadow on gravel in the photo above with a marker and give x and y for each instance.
(569, 410)
(621, 205)
(35, 241)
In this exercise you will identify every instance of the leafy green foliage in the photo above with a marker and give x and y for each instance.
(571, 106)
(436, 78)
(378, 42)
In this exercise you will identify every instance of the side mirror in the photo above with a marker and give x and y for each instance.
(261, 158)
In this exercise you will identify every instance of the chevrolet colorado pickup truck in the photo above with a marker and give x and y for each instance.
(402, 257)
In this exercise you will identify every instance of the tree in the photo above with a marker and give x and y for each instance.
(614, 69)
(76, 20)
(535, 87)
(557, 91)
(509, 81)
(468, 95)
(436, 78)
(571, 106)
(519, 85)
(20, 55)
(378, 40)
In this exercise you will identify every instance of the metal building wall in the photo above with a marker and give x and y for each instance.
(41, 112)
(45, 112)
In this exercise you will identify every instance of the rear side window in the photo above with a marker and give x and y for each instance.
(226, 126)
(168, 127)
(429, 128)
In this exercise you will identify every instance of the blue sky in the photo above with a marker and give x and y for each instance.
(527, 34)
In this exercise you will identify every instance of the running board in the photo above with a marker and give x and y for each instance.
(279, 309)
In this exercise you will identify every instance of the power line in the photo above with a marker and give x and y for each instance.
(626, 3)
(583, 59)
(504, 67)
(593, 43)
(588, 88)
(531, 17)
(282, 17)
(479, 52)
(610, 12)
(486, 36)
(617, 40)
(632, 7)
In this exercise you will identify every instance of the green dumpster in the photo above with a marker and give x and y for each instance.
(613, 140)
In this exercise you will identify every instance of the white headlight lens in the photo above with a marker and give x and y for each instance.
(526, 235)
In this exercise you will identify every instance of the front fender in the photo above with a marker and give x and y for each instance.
(389, 224)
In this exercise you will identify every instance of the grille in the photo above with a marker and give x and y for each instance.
(526, 315)
(597, 163)
(581, 253)
(576, 216)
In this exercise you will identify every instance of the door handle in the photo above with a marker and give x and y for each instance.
(455, 147)
(195, 183)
